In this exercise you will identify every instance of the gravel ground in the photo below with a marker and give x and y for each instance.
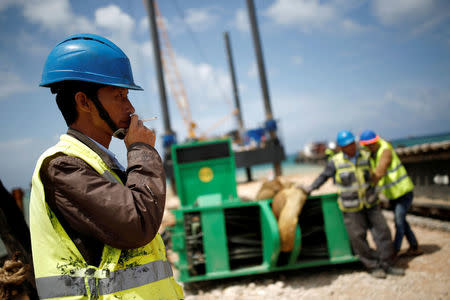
(427, 276)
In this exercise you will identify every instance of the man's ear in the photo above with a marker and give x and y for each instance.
(83, 103)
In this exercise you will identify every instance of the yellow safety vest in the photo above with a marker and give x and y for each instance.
(62, 272)
(353, 182)
(396, 182)
(329, 153)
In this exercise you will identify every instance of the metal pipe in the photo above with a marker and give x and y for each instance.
(262, 74)
(159, 71)
(259, 58)
(233, 81)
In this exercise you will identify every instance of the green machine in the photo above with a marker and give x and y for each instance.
(217, 235)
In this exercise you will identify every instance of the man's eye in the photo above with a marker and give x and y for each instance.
(121, 97)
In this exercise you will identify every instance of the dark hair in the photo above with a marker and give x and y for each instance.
(65, 96)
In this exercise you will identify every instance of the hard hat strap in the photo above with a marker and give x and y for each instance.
(105, 116)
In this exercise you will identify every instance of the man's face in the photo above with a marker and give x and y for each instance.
(115, 101)
(350, 149)
(372, 147)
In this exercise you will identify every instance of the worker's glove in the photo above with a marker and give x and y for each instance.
(306, 189)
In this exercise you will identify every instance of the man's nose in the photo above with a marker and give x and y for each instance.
(130, 108)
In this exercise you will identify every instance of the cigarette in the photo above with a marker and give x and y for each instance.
(149, 119)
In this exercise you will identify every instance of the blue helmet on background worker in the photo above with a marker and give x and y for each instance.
(90, 58)
(368, 137)
(345, 138)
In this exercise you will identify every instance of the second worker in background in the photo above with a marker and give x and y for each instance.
(391, 177)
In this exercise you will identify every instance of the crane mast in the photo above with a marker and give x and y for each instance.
(173, 76)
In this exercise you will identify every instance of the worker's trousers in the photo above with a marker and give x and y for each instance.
(402, 228)
(357, 224)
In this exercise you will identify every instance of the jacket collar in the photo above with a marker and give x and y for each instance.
(94, 147)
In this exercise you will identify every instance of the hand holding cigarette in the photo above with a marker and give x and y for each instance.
(138, 133)
(149, 119)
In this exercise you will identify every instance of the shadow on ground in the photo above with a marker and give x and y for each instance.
(404, 259)
(305, 277)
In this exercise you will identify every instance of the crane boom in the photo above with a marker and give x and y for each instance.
(173, 75)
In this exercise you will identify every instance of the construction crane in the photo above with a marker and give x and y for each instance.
(173, 76)
(203, 135)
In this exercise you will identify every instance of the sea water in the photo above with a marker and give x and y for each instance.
(288, 166)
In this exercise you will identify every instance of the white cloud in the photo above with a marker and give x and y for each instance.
(31, 44)
(297, 60)
(253, 70)
(144, 24)
(208, 92)
(416, 15)
(351, 26)
(147, 50)
(203, 80)
(309, 15)
(304, 13)
(241, 20)
(392, 12)
(10, 84)
(406, 111)
(55, 15)
(14, 144)
(113, 18)
(200, 19)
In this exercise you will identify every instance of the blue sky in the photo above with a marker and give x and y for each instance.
(331, 65)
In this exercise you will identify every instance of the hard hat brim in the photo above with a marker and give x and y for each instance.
(369, 142)
(128, 86)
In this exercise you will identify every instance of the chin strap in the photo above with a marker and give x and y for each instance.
(117, 132)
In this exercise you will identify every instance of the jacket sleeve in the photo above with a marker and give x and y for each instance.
(328, 172)
(123, 216)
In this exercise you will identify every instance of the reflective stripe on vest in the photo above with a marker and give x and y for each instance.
(395, 169)
(65, 285)
(354, 192)
(387, 186)
(396, 182)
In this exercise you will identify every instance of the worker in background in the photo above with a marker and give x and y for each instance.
(391, 177)
(16, 275)
(331, 150)
(360, 205)
(329, 153)
(94, 225)
(17, 194)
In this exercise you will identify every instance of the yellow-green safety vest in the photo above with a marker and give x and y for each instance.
(353, 182)
(396, 182)
(62, 272)
(329, 153)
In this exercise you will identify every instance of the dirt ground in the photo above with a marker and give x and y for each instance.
(427, 276)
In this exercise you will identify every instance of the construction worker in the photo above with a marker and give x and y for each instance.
(94, 225)
(393, 180)
(360, 205)
(329, 153)
(330, 150)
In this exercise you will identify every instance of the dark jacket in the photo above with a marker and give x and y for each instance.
(95, 211)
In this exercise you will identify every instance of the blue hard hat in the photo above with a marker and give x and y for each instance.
(91, 58)
(368, 137)
(344, 138)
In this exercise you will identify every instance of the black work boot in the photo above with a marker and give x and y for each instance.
(395, 271)
(414, 251)
(378, 273)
